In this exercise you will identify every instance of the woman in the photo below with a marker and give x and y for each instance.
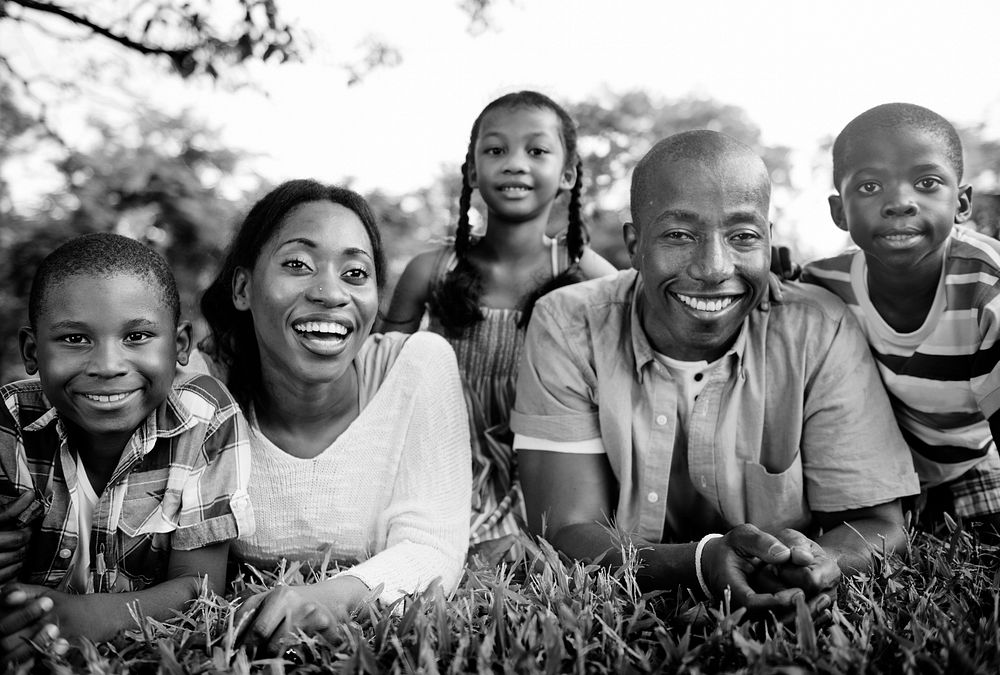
(360, 442)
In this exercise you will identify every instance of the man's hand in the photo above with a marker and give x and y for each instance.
(13, 539)
(809, 568)
(734, 560)
(25, 617)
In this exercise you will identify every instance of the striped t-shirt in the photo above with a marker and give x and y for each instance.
(943, 378)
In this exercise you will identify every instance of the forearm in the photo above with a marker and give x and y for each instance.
(852, 543)
(100, 616)
(661, 566)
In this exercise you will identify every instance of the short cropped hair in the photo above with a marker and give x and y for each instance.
(894, 115)
(102, 254)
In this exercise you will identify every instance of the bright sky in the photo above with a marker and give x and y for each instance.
(801, 69)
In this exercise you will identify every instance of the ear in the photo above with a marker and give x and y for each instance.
(837, 211)
(183, 341)
(568, 179)
(241, 289)
(27, 345)
(964, 211)
(472, 178)
(631, 235)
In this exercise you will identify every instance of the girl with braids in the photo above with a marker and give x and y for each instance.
(522, 155)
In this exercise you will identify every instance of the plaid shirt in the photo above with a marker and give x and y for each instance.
(181, 483)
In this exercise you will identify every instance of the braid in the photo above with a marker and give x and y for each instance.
(576, 232)
(455, 300)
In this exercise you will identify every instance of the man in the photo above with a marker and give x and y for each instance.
(681, 402)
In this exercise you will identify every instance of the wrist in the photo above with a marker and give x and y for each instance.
(699, 554)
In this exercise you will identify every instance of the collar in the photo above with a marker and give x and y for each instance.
(643, 351)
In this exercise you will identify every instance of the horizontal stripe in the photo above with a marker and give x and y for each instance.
(932, 396)
(971, 278)
(943, 454)
(593, 446)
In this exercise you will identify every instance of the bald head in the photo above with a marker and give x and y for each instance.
(708, 151)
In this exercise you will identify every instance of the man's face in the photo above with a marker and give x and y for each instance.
(701, 241)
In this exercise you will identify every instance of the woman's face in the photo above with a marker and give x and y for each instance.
(312, 293)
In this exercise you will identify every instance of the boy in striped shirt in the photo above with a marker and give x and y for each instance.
(925, 291)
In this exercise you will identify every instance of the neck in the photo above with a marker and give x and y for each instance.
(506, 240)
(903, 298)
(304, 418)
(100, 454)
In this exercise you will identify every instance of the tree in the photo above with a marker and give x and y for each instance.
(616, 130)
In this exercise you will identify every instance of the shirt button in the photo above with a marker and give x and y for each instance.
(652, 497)
(65, 553)
(661, 420)
(698, 376)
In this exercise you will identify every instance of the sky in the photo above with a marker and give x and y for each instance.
(800, 69)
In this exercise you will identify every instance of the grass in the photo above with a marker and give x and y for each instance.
(934, 610)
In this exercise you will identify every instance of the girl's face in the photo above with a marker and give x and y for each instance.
(312, 293)
(520, 162)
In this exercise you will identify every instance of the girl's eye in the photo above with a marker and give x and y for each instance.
(537, 152)
(869, 187)
(492, 151)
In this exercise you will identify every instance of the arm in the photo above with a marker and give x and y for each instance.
(13, 539)
(413, 289)
(100, 616)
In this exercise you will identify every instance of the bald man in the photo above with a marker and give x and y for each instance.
(739, 439)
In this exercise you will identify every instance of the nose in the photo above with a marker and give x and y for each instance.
(327, 290)
(516, 162)
(107, 360)
(712, 262)
(899, 203)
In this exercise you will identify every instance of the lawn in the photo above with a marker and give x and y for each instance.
(934, 610)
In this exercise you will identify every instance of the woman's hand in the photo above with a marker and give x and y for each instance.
(271, 619)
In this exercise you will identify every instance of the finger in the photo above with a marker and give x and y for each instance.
(749, 542)
(319, 621)
(779, 602)
(25, 615)
(10, 512)
(17, 646)
(13, 596)
(244, 617)
(15, 540)
(270, 615)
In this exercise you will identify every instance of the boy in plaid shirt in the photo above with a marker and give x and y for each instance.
(118, 483)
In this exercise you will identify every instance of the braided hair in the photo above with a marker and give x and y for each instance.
(455, 300)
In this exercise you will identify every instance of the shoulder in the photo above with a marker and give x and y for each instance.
(593, 265)
(201, 396)
(972, 252)
(383, 351)
(424, 267)
(24, 402)
(611, 289)
(833, 274)
(805, 305)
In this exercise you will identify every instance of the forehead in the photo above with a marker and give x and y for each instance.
(321, 225)
(705, 188)
(105, 300)
(899, 147)
(520, 121)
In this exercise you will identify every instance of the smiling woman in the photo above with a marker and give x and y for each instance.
(360, 442)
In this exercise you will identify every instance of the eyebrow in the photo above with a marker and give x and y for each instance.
(353, 251)
(532, 135)
(694, 218)
(133, 324)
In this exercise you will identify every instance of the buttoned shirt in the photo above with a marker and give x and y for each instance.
(181, 483)
(792, 419)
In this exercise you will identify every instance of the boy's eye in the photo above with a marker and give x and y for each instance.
(136, 337)
(928, 183)
(74, 339)
(869, 187)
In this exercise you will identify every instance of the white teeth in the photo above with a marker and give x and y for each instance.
(901, 236)
(109, 398)
(707, 305)
(320, 327)
(514, 188)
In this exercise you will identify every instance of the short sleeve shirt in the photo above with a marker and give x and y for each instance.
(181, 483)
(793, 419)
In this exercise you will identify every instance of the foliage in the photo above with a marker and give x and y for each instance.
(936, 611)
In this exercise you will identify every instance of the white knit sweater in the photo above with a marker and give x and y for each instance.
(393, 491)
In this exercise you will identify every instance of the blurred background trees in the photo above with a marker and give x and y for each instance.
(169, 181)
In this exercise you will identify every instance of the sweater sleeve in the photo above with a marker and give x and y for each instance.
(427, 518)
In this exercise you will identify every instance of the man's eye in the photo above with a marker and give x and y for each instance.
(746, 237)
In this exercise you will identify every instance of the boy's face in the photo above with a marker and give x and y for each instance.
(701, 242)
(899, 198)
(105, 351)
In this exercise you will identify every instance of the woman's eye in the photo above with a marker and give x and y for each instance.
(357, 273)
(295, 265)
